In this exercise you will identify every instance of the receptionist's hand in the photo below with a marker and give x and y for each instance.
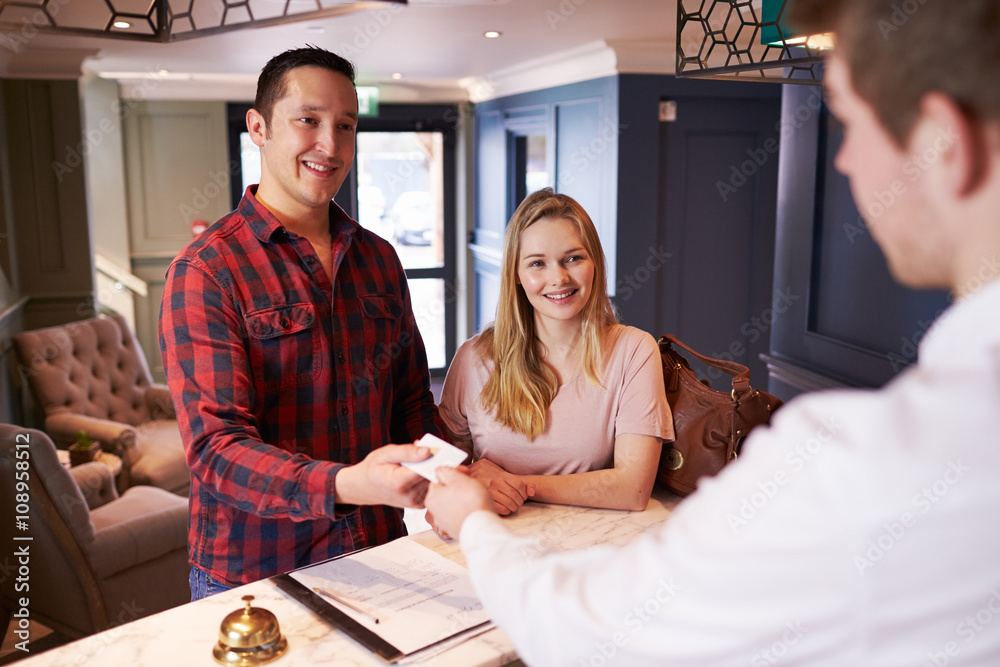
(442, 533)
(507, 490)
(453, 498)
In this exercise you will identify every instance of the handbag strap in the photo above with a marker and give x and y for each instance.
(740, 373)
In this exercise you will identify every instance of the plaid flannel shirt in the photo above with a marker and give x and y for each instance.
(280, 379)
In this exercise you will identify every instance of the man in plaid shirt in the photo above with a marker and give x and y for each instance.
(292, 353)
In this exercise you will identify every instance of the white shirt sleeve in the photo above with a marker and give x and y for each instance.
(859, 529)
(710, 586)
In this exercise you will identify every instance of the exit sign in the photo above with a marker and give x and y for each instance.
(367, 100)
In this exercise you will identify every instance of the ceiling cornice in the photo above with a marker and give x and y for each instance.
(28, 63)
(590, 61)
(645, 57)
(593, 60)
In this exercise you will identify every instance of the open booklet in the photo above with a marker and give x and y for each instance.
(405, 594)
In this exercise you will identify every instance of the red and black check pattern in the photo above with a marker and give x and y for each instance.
(280, 379)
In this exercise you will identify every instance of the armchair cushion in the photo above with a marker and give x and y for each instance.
(92, 367)
(92, 376)
(61, 490)
(96, 483)
(160, 461)
(160, 403)
(115, 437)
(144, 524)
(73, 546)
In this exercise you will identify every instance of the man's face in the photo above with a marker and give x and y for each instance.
(889, 185)
(307, 149)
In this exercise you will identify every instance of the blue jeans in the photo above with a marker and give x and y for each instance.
(203, 585)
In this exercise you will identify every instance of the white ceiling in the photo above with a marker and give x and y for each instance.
(437, 45)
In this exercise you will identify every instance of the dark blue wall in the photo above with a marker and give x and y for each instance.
(704, 242)
(653, 189)
(854, 326)
(701, 189)
(580, 123)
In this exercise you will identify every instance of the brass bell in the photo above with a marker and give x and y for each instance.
(249, 637)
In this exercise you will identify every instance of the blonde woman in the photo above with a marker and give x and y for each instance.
(556, 400)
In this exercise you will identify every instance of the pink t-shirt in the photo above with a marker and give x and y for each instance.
(583, 419)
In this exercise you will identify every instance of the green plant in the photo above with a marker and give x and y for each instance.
(82, 443)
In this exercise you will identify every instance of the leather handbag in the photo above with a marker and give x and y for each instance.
(709, 425)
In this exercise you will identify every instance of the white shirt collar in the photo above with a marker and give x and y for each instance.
(966, 331)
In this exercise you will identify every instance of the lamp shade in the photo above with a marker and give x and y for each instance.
(745, 39)
(164, 20)
(774, 27)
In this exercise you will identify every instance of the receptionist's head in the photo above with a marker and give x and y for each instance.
(913, 84)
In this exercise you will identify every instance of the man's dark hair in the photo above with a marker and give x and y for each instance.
(900, 50)
(271, 85)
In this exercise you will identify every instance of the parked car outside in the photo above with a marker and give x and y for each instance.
(371, 206)
(412, 218)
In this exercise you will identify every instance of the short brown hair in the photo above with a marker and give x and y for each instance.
(899, 50)
(271, 85)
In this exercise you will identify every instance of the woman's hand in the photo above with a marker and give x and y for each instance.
(507, 490)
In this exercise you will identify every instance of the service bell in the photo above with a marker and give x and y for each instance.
(249, 637)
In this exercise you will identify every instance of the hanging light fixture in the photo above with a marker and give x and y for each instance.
(746, 40)
(168, 20)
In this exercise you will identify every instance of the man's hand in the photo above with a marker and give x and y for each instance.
(380, 480)
(507, 490)
(453, 498)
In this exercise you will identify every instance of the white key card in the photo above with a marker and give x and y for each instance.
(442, 454)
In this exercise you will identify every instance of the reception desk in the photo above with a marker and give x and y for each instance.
(185, 635)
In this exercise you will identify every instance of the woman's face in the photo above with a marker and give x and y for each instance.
(555, 269)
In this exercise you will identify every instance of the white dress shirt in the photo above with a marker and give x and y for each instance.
(862, 528)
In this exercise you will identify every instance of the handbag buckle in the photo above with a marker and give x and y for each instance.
(674, 459)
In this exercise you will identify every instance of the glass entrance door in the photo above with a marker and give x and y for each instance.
(401, 196)
(403, 189)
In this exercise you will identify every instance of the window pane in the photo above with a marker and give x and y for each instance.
(536, 174)
(250, 161)
(401, 193)
(427, 298)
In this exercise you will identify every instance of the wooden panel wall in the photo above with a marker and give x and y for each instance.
(178, 171)
(48, 203)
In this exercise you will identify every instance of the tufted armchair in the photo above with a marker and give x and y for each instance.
(96, 560)
(92, 376)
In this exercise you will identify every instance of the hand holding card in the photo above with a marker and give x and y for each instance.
(442, 454)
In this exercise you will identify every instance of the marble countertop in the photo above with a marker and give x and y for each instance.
(185, 635)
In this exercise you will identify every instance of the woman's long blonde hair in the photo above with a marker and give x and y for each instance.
(521, 385)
